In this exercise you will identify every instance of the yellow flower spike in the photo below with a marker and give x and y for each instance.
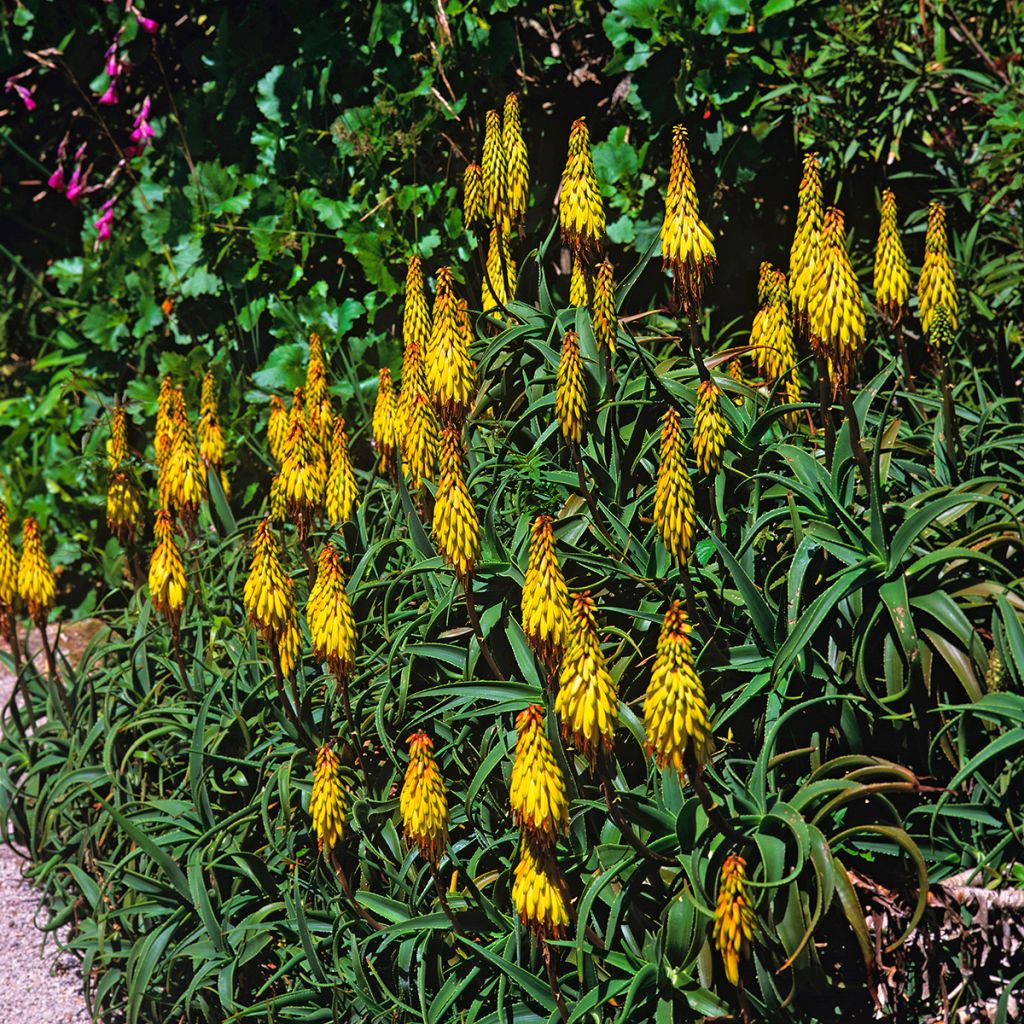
(578, 287)
(803, 256)
(580, 207)
(606, 322)
(710, 428)
(169, 396)
(424, 801)
(167, 571)
(211, 437)
(836, 319)
(8, 571)
(316, 377)
(571, 389)
(181, 481)
(494, 171)
(537, 793)
(937, 284)
(771, 338)
(587, 704)
(289, 645)
(538, 893)
(456, 526)
(386, 435)
(415, 313)
(277, 428)
(269, 599)
(342, 492)
(892, 273)
(332, 626)
(474, 208)
(517, 164)
(501, 271)
(278, 502)
(734, 919)
(419, 446)
(687, 245)
(545, 599)
(451, 373)
(37, 586)
(764, 279)
(327, 800)
(303, 475)
(124, 506)
(117, 446)
(673, 494)
(675, 712)
(941, 331)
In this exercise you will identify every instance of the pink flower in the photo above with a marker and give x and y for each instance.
(56, 180)
(147, 24)
(103, 223)
(76, 186)
(23, 91)
(142, 130)
(26, 97)
(109, 98)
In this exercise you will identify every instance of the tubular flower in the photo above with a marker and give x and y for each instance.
(941, 331)
(424, 801)
(499, 282)
(495, 171)
(537, 893)
(774, 351)
(316, 376)
(211, 436)
(117, 446)
(456, 526)
(687, 246)
(181, 481)
(580, 208)
(803, 256)
(587, 703)
(675, 713)
(734, 918)
(332, 626)
(289, 644)
(764, 278)
(8, 573)
(836, 311)
(36, 584)
(451, 373)
(673, 493)
(419, 446)
(386, 435)
(545, 596)
(937, 285)
(124, 506)
(892, 274)
(167, 571)
(537, 793)
(578, 285)
(327, 800)
(710, 429)
(341, 481)
(278, 502)
(269, 598)
(169, 396)
(606, 323)
(517, 165)
(277, 428)
(303, 475)
(571, 389)
(473, 206)
(414, 386)
(415, 339)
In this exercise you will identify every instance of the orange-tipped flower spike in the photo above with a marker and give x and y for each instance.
(606, 322)
(474, 208)
(451, 373)
(36, 583)
(303, 475)
(803, 256)
(587, 703)
(167, 571)
(545, 596)
(571, 389)
(538, 893)
(332, 626)
(734, 918)
(342, 492)
(277, 428)
(537, 793)
(117, 446)
(181, 479)
(673, 495)
(495, 172)
(517, 164)
(416, 313)
(211, 436)
(386, 436)
(710, 428)
(316, 376)
(327, 800)
(8, 575)
(687, 245)
(675, 712)
(836, 319)
(581, 208)
(892, 273)
(124, 506)
(937, 285)
(456, 526)
(424, 801)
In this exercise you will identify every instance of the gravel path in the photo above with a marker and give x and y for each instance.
(38, 985)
